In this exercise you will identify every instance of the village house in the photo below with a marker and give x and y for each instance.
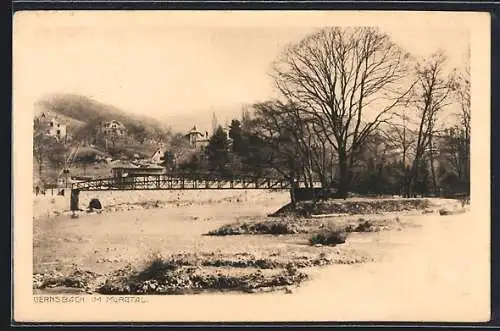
(113, 127)
(54, 127)
(121, 172)
(157, 156)
(197, 139)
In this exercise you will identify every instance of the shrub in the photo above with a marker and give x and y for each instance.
(275, 228)
(330, 237)
(156, 268)
(444, 212)
(364, 226)
(226, 230)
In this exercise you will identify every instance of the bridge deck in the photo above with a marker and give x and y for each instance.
(180, 182)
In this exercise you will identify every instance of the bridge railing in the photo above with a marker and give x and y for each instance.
(180, 181)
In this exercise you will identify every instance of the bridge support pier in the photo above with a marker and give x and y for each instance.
(75, 199)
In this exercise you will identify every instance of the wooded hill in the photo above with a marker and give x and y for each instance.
(82, 114)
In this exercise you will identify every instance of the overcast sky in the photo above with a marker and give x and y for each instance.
(179, 71)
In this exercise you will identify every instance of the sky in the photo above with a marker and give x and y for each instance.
(180, 69)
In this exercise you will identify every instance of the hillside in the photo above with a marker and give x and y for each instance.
(77, 111)
(82, 115)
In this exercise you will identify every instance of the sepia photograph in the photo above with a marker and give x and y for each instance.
(251, 166)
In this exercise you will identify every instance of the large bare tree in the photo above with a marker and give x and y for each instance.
(345, 82)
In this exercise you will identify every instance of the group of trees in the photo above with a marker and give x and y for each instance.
(214, 158)
(355, 112)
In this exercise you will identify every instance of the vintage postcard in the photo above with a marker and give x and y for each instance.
(251, 166)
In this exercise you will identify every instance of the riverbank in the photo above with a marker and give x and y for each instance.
(109, 252)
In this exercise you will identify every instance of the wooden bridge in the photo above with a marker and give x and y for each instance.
(176, 181)
(173, 181)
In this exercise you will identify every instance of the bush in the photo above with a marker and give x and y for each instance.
(364, 226)
(156, 268)
(330, 237)
(266, 227)
(226, 230)
(444, 212)
(95, 204)
(275, 228)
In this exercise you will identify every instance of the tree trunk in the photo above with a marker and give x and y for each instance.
(345, 178)
(293, 199)
(404, 184)
(413, 179)
(433, 173)
(466, 163)
(431, 161)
